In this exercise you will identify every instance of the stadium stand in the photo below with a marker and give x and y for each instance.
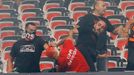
(55, 18)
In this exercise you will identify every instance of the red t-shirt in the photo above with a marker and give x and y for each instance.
(70, 59)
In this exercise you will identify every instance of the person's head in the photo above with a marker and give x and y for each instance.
(99, 26)
(53, 52)
(30, 31)
(99, 7)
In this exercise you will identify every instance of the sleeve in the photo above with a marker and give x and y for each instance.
(14, 50)
(62, 61)
(42, 43)
(61, 64)
(110, 28)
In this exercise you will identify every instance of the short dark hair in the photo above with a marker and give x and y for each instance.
(29, 23)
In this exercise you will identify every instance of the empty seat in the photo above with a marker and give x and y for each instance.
(129, 13)
(8, 13)
(52, 4)
(124, 4)
(54, 12)
(117, 19)
(10, 31)
(38, 20)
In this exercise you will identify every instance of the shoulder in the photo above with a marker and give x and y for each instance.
(87, 18)
(89, 15)
(18, 42)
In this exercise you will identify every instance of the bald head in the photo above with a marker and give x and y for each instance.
(99, 7)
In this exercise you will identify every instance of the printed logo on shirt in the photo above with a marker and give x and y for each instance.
(27, 48)
(71, 56)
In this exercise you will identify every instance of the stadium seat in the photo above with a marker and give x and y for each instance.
(38, 20)
(52, 4)
(10, 31)
(8, 13)
(60, 21)
(60, 32)
(121, 43)
(117, 19)
(46, 64)
(79, 12)
(54, 12)
(74, 5)
(124, 4)
(129, 13)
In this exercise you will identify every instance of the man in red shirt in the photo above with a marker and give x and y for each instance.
(69, 58)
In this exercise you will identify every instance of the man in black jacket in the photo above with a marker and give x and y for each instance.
(92, 44)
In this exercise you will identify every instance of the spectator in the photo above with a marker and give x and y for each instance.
(93, 45)
(26, 52)
(69, 58)
(130, 36)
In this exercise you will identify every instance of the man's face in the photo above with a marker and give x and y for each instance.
(30, 32)
(101, 7)
(99, 26)
(31, 28)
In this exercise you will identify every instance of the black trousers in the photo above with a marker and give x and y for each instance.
(130, 65)
(89, 56)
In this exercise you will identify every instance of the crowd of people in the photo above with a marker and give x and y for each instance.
(88, 54)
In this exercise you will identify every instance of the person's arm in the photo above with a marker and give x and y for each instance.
(120, 30)
(10, 65)
(11, 58)
(124, 30)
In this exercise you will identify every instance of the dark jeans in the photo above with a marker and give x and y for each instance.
(101, 64)
(89, 56)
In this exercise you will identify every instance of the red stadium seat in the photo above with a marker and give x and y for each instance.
(77, 14)
(130, 14)
(60, 32)
(7, 34)
(121, 43)
(53, 25)
(111, 64)
(115, 21)
(113, 36)
(46, 66)
(4, 15)
(4, 7)
(74, 5)
(124, 4)
(6, 44)
(24, 7)
(50, 15)
(26, 15)
(52, 4)
(6, 24)
(109, 13)
(49, 6)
